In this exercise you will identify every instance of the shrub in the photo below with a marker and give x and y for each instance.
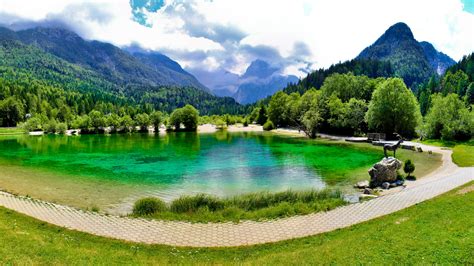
(400, 176)
(268, 125)
(194, 203)
(220, 124)
(449, 119)
(409, 167)
(32, 124)
(246, 122)
(61, 128)
(50, 127)
(149, 206)
(261, 200)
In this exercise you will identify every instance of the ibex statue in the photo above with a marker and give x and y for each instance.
(392, 147)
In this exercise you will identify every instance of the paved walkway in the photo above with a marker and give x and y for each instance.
(174, 233)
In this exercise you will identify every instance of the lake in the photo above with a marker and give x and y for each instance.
(112, 171)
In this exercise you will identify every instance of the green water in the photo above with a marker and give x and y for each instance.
(184, 163)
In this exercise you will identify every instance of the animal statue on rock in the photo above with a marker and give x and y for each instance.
(392, 147)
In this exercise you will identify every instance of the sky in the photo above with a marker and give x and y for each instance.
(215, 37)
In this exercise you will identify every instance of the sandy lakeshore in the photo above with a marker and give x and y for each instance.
(209, 128)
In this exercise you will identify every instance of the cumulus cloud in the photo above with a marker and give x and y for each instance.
(222, 37)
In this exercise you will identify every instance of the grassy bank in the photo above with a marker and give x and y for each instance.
(5, 131)
(437, 231)
(463, 155)
(254, 206)
(463, 152)
(425, 163)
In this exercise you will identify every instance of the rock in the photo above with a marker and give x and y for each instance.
(351, 198)
(367, 191)
(362, 184)
(384, 171)
(399, 182)
(394, 184)
(386, 185)
(419, 149)
(362, 196)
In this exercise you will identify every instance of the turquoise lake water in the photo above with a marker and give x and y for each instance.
(184, 163)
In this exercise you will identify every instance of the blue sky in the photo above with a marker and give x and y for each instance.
(215, 39)
(469, 6)
(140, 9)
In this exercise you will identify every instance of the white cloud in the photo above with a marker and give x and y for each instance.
(220, 33)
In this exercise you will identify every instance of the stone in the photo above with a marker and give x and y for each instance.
(385, 185)
(367, 191)
(400, 182)
(394, 184)
(362, 184)
(365, 196)
(384, 171)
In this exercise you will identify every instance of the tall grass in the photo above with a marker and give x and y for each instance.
(253, 206)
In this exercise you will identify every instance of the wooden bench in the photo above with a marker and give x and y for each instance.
(375, 137)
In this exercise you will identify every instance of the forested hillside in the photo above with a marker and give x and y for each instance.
(30, 77)
(358, 67)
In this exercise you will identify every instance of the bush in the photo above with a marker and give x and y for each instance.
(449, 119)
(409, 167)
(400, 177)
(268, 125)
(260, 200)
(246, 122)
(32, 124)
(50, 127)
(149, 206)
(61, 128)
(194, 203)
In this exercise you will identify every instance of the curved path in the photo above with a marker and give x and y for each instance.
(445, 178)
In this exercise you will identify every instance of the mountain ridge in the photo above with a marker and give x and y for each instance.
(114, 63)
(414, 61)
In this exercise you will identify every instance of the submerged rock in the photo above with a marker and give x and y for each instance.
(384, 171)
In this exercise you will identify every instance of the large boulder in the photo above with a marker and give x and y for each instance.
(384, 171)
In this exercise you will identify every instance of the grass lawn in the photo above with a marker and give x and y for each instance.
(424, 163)
(11, 131)
(463, 152)
(463, 155)
(437, 231)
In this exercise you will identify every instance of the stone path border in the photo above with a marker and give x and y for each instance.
(177, 233)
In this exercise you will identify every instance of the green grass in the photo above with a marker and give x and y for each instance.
(11, 131)
(463, 155)
(254, 206)
(424, 163)
(439, 231)
(463, 151)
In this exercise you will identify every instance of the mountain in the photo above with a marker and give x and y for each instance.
(258, 81)
(259, 69)
(413, 61)
(22, 59)
(439, 61)
(114, 64)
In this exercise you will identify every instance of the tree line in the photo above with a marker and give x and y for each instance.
(354, 105)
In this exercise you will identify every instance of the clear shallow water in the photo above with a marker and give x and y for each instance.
(133, 166)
